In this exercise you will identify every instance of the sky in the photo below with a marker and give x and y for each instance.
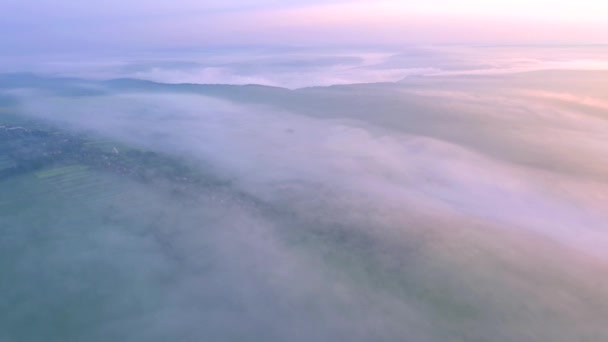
(77, 26)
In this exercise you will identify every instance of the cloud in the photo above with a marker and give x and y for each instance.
(264, 147)
(359, 212)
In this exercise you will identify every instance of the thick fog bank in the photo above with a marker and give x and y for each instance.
(437, 208)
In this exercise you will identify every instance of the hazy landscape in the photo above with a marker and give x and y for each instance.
(274, 190)
(439, 207)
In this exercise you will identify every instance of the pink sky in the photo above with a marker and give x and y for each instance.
(182, 23)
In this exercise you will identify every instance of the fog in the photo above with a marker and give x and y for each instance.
(298, 67)
(454, 205)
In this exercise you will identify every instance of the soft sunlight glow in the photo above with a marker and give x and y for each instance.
(564, 10)
(141, 24)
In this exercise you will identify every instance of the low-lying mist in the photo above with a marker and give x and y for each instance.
(443, 208)
(299, 67)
